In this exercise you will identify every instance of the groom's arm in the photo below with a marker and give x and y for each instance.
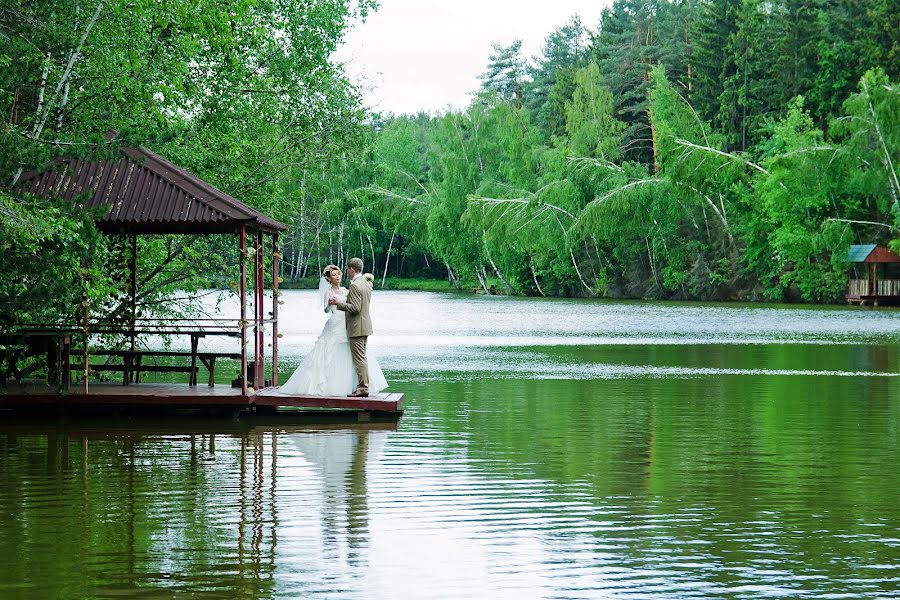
(354, 301)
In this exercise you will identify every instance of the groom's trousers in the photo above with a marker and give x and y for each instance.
(358, 350)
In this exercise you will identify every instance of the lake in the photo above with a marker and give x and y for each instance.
(550, 449)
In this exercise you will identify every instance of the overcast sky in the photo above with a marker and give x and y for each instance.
(415, 55)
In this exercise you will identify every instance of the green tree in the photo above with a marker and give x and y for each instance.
(592, 129)
(565, 49)
(242, 94)
(506, 73)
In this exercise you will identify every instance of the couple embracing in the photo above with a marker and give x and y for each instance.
(338, 364)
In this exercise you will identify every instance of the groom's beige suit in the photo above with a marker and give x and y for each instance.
(359, 327)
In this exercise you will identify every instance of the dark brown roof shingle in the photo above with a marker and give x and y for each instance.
(145, 193)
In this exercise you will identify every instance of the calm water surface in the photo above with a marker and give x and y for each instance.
(550, 449)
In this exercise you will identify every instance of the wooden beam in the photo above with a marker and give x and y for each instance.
(275, 310)
(243, 293)
(85, 325)
(259, 289)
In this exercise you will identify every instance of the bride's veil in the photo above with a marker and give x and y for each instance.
(322, 296)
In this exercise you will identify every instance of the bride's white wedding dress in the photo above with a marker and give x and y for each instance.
(328, 368)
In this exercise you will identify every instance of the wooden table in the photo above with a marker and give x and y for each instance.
(55, 345)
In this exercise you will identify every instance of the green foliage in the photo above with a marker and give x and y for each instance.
(592, 129)
(794, 204)
(551, 84)
(670, 160)
(715, 149)
(47, 247)
(242, 93)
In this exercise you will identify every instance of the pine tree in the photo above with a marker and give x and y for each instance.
(625, 48)
(752, 90)
(506, 73)
(716, 23)
(565, 49)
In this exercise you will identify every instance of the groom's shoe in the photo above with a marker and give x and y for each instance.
(360, 394)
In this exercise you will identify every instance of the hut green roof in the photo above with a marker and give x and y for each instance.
(860, 252)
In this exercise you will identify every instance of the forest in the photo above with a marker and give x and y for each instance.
(692, 149)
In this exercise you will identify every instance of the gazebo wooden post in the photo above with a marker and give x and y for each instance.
(243, 294)
(258, 288)
(255, 314)
(875, 281)
(132, 298)
(85, 324)
(274, 315)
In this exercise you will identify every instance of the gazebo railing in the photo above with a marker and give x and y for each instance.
(65, 339)
(858, 288)
(888, 287)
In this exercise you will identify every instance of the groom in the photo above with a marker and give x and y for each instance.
(359, 324)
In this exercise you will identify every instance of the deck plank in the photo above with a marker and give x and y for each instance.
(273, 397)
(182, 395)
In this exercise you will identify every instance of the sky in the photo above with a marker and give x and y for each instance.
(414, 55)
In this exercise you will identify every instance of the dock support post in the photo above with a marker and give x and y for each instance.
(132, 299)
(85, 321)
(275, 256)
(258, 288)
(243, 294)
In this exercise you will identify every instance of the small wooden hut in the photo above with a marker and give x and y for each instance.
(874, 275)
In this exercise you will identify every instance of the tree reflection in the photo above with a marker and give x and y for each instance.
(157, 507)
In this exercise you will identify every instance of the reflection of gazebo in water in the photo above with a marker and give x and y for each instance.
(183, 462)
(144, 194)
(874, 275)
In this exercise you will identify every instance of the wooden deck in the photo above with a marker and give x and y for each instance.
(273, 397)
(182, 396)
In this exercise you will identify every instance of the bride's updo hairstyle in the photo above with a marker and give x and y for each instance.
(329, 270)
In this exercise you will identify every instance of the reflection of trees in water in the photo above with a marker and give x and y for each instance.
(702, 458)
(172, 511)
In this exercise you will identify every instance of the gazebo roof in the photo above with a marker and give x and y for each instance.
(146, 194)
(871, 253)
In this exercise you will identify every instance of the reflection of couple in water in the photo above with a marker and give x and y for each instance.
(338, 365)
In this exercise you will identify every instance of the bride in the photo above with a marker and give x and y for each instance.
(328, 369)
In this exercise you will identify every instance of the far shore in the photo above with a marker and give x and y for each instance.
(411, 284)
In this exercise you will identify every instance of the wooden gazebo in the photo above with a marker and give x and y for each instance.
(867, 282)
(141, 193)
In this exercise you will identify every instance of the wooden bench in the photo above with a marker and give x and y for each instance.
(129, 373)
(133, 366)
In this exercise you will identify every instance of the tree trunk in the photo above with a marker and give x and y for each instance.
(690, 84)
(481, 279)
(73, 57)
(62, 104)
(496, 270)
(451, 276)
(534, 276)
(387, 258)
(580, 278)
